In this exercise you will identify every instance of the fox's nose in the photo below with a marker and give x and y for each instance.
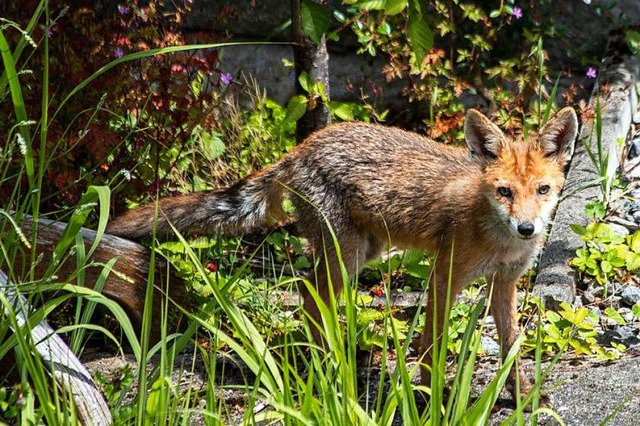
(526, 229)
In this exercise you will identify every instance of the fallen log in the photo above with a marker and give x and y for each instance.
(127, 285)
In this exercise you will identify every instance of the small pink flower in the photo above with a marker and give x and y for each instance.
(517, 12)
(591, 72)
(177, 68)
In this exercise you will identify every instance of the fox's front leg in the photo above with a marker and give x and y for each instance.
(504, 307)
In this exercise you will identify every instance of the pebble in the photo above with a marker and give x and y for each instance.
(619, 229)
(636, 117)
(587, 297)
(490, 346)
(634, 148)
(627, 314)
(627, 335)
(630, 295)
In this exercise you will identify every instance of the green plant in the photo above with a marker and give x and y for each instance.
(604, 160)
(340, 110)
(468, 54)
(115, 388)
(571, 328)
(11, 401)
(607, 255)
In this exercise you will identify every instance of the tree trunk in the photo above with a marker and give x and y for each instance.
(313, 59)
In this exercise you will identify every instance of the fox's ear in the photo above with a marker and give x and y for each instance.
(559, 134)
(483, 137)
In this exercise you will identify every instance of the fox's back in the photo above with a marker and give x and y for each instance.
(384, 176)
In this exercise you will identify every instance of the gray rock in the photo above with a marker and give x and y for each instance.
(619, 229)
(553, 294)
(587, 297)
(627, 314)
(635, 194)
(630, 295)
(490, 346)
(627, 335)
(634, 146)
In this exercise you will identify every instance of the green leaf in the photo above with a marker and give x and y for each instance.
(372, 4)
(212, 145)
(315, 20)
(634, 242)
(306, 82)
(368, 315)
(614, 315)
(296, 108)
(393, 7)
(578, 229)
(632, 261)
(420, 36)
(633, 40)
(342, 110)
(595, 209)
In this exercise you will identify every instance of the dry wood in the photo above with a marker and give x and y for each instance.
(73, 378)
(132, 263)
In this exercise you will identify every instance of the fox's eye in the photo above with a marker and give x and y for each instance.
(505, 192)
(544, 189)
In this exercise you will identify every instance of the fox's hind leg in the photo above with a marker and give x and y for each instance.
(354, 248)
(441, 286)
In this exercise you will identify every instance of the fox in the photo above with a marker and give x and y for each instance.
(483, 209)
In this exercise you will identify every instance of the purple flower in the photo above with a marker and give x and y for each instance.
(591, 72)
(123, 10)
(50, 32)
(118, 53)
(226, 78)
(517, 12)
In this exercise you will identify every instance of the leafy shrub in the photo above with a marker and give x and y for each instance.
(138, 108)
(482, 48)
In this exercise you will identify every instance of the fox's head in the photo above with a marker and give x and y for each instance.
(523, 177)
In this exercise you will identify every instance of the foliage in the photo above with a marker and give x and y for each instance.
(194, 131)
(340, 110)
(605, 163)
(11, 401)
(137, 108)
(478, 48)
(572, 329)
(115, 388)
(607, 255)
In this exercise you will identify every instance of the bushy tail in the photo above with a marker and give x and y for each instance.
(252, 204)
